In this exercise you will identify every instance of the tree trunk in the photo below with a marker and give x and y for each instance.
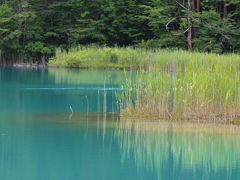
(189, 33)
(225, 9)
(198, 5)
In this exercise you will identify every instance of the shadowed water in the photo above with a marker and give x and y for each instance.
(42, 138)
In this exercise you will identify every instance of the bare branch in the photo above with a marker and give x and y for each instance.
(189, 27)
(170, 22)
(181, 5)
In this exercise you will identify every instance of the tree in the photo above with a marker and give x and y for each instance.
(32, 30)
(9, 34)
(189, 31)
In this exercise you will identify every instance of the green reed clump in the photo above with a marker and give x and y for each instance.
(90, 57)
(183, 85)
(173, 84)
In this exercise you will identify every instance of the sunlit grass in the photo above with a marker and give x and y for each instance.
(183, 85)
(89, 57)
(170, 84)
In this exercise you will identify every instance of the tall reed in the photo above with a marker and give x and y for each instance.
(97, 57)
(173, 84)
(183, 85)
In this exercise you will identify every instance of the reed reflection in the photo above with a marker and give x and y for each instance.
(181, 151)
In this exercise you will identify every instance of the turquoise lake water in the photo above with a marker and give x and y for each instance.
(53, 126)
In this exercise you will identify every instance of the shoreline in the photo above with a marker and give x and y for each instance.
(24, 65)
(152, 119)
(28, 65)
(31, 65)
(181, 126)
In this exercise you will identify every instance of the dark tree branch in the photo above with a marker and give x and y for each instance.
(181, 5)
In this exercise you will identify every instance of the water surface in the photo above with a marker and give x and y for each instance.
(53, 126)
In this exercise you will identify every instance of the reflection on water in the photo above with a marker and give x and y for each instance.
(175, 151)
(53, 147)
(63, 125)
(101, 146)
(59, 90)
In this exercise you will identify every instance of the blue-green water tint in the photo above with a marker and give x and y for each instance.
(41, 139)
(56, 90)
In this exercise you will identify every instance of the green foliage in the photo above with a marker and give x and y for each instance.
(37, 48)
(143, 23)
(214, 34)
(9, 32)
(86, 57)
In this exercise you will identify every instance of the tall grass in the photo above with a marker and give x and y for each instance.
(171, 84)
(183, 85)
(92, 57)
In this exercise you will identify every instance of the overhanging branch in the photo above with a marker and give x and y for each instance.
(181, 5)
(169, 23)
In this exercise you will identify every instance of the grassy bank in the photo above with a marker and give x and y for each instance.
(169, 84)
(87, 57)
(181, 85)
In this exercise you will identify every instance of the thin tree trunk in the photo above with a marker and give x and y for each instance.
(189, 33)
(198, 5)
(225, 9)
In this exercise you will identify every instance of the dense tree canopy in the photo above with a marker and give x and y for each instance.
(32, 29)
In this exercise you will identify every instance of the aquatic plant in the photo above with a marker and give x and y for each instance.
(90, 57)
(170, 84)
(183, 85)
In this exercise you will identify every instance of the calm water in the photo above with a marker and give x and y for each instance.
(52, 127)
